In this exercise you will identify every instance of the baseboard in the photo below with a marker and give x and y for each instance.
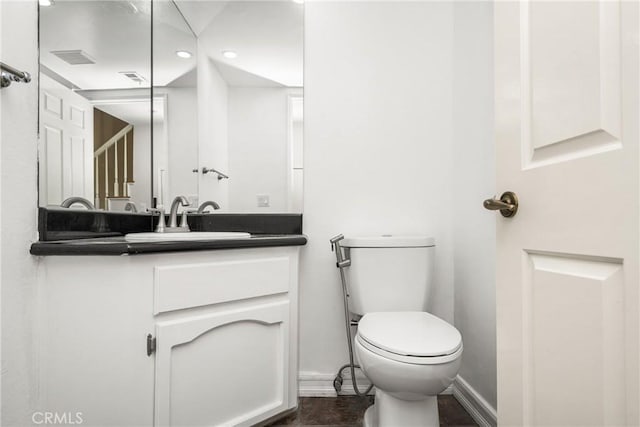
(479, 409)
(312, 384)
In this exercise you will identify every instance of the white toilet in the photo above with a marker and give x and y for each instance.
(408, 354)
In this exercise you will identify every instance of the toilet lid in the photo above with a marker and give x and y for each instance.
(410, 333)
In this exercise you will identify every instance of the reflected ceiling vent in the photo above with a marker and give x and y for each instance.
(133, 76)
(74, 57)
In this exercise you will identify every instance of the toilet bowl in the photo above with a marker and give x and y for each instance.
(410, 357)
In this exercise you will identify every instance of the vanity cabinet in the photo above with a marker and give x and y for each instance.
(221, 327)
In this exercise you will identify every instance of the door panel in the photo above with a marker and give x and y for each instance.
(573, 341)
(52, 159)
(224, 368)
(76, 116)
(572, 53)
(52, 104)
(66, 144)
(566, 106)
(221, 375)
(571, 81)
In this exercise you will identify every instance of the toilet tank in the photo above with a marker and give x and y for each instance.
(389, 273)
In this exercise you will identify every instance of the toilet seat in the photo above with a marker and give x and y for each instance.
(414, 360)
(410, 337)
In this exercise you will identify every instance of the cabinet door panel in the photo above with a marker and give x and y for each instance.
(226, 368)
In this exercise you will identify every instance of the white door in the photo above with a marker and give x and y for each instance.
(226, 368)
(66, 144)
(567, 275)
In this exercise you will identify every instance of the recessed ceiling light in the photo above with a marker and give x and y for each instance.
(45, 2)
(229, 54)
(183, 54)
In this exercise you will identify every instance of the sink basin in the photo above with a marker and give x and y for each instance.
(193, 235)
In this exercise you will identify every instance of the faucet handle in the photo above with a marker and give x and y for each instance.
(183, 220)
(161, 227)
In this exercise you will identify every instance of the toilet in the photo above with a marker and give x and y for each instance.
(408, 354)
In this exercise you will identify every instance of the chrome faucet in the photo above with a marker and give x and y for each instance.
(206, 204)
(80, 200)
(173, 213)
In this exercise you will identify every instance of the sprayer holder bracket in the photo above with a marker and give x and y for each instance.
(343, 260)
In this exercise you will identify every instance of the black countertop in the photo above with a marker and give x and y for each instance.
(119, 246)
(70, 224)
(82, 232)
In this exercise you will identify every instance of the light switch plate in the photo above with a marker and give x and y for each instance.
(193, 200)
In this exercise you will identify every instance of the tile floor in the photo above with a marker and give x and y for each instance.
(347, 411)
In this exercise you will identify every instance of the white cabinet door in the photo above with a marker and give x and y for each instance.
(223, 368)
(567, 130)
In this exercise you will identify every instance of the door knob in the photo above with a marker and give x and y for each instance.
(507, 205)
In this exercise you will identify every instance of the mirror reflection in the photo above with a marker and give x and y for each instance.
(175, 126)
(209, 109)
(95, 119)
(250, 62)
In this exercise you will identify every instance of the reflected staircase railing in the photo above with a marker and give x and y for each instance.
(111, 180)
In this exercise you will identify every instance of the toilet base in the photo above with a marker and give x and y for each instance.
(389, 411)
(370, 419)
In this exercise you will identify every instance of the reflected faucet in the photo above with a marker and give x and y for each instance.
(130, 206)
(206, 204)
(80, 200)
(173, 213)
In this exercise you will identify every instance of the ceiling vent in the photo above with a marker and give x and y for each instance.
(133, 76)
(74, 57)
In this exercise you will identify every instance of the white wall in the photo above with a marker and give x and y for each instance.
(175, 146)
(296, 188)
(141, 189)
(258, 137)
(160, 160)
(212, 131)
(18, 192)
(474, 181)
(1, 234)
(182, 125)
(378, 132)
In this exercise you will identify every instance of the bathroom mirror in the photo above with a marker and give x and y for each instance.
(209, 108)
(175, 124)
(249, 104)
(95, 102)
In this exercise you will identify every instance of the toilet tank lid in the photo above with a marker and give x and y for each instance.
(388, 241)
(410, 333)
